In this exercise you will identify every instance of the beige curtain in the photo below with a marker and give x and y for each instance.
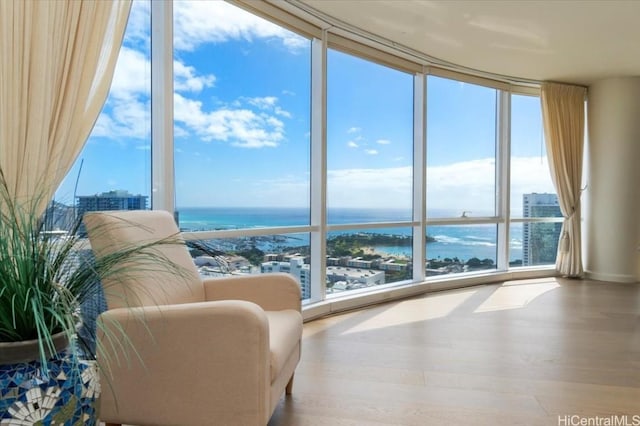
(563, 118)
(57, 62)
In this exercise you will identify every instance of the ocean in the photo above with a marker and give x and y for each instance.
(461, 241)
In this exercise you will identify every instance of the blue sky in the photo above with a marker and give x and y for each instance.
(242, 125)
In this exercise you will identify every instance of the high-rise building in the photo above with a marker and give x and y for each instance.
(294, 266)
(112, 200)
(540, 239)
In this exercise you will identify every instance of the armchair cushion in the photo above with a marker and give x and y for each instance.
(272, 292)
(145, 283)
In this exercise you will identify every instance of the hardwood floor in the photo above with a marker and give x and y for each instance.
(517, 353)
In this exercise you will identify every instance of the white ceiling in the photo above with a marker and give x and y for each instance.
(570, 41)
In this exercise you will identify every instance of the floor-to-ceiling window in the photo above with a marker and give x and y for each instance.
(315, 156)
(241, 139)
(533, 234)
(461, 177)
(369, 173)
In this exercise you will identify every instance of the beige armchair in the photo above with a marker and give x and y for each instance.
(200, 352)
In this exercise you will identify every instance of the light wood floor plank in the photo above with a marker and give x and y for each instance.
(521, 352)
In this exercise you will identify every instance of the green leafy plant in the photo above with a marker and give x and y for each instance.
(46, 276)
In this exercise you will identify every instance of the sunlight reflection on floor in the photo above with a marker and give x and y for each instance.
(514, 295)
(415, 310)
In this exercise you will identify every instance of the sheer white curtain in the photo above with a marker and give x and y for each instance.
(56, 67)
(563, 117)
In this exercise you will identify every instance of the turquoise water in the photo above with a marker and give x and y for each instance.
(204, 218)
(461, 241)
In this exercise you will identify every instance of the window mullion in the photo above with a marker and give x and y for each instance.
(503, 175)
(162, 164)
(419, 176)
(318, 168)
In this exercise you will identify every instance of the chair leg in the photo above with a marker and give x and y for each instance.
(289, 387)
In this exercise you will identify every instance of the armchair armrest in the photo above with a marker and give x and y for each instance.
(189, 363)
(272, 292)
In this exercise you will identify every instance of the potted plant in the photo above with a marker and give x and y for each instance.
(45, 276)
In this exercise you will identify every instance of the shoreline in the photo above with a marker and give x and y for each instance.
(371, 250)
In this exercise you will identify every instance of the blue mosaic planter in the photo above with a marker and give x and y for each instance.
(64, 395)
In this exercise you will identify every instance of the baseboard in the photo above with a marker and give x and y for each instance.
(618, 278)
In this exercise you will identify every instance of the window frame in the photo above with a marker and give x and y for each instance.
(163, 185)
(511, 219)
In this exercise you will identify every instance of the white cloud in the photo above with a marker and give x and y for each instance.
(104, 126)
(288, 92)
(281, 112)
(469, 185)
(455, 187)
(369, 187)
(529, 174)
(139, 23)
(186, 79)
(236, 124)
(266, 102)
(189, 112)
(127, 113)
(132, 74)
(460, 186)
(383, 141)
(240, 127)
(352, 130)
(125, 119)
(179, 132)
(352, 144)
(371, 151)
(200, 22)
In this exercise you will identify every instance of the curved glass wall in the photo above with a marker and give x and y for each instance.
(346, 171)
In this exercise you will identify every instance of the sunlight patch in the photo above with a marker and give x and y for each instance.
(414, 311)
(510, 296)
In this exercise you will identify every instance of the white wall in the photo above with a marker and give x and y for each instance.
(612, 209)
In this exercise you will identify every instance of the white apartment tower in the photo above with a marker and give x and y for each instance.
(540, 239)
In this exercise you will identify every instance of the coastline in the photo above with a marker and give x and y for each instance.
(375, 251)
(452, 241)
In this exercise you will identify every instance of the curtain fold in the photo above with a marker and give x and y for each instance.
(58, 59)
(563, 118)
